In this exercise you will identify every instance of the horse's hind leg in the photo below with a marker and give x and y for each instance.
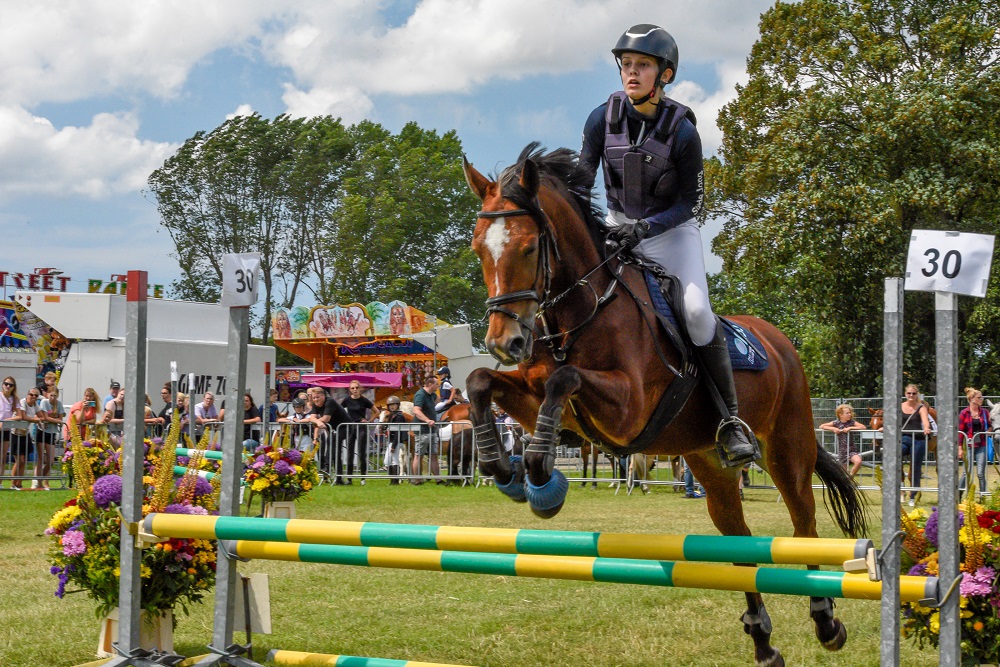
(726, 510)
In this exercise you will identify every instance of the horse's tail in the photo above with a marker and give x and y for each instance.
(842, 496)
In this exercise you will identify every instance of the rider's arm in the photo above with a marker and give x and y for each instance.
(593, 147)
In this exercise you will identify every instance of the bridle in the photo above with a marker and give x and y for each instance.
(543, 273)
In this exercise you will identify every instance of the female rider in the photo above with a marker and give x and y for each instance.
(653, 174)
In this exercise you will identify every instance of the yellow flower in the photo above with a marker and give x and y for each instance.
(936, 622)
(918, 513)
(306, 484)
(260, 484)
(118, 572)
(147, 480)
(145, 571)
(64, 517)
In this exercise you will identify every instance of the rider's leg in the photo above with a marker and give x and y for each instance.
(679, 252)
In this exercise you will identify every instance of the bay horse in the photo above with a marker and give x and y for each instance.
(590, 356)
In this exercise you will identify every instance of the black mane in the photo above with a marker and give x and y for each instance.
(560, 169)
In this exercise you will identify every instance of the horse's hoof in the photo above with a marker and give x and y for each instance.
(838, 640)
(514, 489)
(773, 660)
(546, 500)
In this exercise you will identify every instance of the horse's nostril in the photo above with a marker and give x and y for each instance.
(516, 347)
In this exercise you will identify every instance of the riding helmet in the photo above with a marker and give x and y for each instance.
(651, 40)
(392, 399)
(444, 370)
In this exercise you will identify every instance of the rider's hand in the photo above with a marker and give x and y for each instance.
(629, 235)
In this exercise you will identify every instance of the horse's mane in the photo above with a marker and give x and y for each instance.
(562, 171)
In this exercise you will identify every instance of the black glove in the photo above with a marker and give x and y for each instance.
(629, 235)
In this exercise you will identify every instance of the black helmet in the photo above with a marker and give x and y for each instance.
(652, 40)
(444, 370)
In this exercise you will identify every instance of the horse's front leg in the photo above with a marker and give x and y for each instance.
(507, 471)
(547, 487)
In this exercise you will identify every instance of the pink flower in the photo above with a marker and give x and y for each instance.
(74, 544)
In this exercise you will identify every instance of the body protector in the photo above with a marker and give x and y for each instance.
(642, 177)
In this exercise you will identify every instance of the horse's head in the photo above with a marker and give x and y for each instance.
(531, 237)
(877, 416)
(510, 244)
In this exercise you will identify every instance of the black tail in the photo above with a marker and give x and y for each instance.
(842, 496)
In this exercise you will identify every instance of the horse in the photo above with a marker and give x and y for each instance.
(458, 447)
(590, 356)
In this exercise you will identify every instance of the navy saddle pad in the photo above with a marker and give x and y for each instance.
(745, 350)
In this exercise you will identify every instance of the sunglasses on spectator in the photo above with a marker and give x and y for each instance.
(8, 384)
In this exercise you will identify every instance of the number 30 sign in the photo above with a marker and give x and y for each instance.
(956, 262)
(239, 279)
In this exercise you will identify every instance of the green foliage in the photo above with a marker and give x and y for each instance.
(861, 121)
(344, 213)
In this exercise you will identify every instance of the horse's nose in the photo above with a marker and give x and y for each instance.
(516, 348)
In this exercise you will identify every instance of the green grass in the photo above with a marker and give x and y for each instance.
(456, 618)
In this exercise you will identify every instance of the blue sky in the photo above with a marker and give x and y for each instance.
(95, 95)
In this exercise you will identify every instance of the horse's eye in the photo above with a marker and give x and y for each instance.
(530, 249)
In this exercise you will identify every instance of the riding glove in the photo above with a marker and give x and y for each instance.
(630, 235)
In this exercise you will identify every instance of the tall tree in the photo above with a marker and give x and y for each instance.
(861, 121)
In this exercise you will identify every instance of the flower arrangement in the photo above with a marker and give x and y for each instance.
(281, 473)
(86, 531)
(979, 544)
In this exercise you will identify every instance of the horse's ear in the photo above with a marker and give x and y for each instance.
(476, 181)
(529, 177)
(871, 411)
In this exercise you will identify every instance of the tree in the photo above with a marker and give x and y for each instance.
(861, 121)
(225, 192)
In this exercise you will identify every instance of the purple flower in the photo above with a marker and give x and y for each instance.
(108, 489)
(931, 527)
(74, 544)
(178, 508)
(202, 487)
(262, 459)
(294, 455)
(55, 569)
(980, 583)
(918, 570)
(282, 467)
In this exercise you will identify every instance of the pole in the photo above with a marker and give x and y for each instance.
(892, 378)
(226, 574)
(129, 645)
(194, 443)
(946, 325)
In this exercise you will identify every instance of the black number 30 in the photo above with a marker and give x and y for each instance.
(950, 265)
(244, 281)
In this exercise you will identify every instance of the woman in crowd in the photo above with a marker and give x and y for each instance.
(47, 436)
(31, 410)
(971, 421)
(9, 410)
(85, 412)
(915, 426)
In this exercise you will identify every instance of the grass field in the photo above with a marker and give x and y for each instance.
(456, 618)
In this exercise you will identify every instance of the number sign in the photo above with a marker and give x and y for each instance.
(239, 279)
(955, 262)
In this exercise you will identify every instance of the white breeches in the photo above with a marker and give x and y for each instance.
(679, 252)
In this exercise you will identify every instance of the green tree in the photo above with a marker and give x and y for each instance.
(861, 121)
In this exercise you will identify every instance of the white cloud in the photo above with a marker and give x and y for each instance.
(98, 160)
(241, 110)
(707, 106)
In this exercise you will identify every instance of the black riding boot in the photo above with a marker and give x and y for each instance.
(394, 474)
(736, 449)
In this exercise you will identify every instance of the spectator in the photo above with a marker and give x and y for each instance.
(972, 420)
(185, 412)
(914, 427)
(300, 419)
(9, 410)
(23, 437)
(847, 451)
(48, 381)
(326, 416)
(395, 439)
(427, 442)
(251, 415)
(506, 425)
(48, 436)
(692, 489)
(84, 412)
(114, 417)
(359, 409)
(114, 390)
(205, 413)
(272, 408)
(167, 413)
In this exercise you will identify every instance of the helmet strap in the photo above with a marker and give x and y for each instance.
(657, 84)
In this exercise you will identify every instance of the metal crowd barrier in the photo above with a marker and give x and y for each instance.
(20, 436)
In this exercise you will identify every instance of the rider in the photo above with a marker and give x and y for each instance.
(653, 174)
(447, 393)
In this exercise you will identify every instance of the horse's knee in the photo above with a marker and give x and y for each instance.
(563, 383)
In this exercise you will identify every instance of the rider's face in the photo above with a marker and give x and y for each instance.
(638, 74)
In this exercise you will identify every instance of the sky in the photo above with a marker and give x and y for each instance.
(96, 94)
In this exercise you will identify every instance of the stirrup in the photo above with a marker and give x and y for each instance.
(728, 460)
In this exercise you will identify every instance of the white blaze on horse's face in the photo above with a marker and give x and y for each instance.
(495, 240)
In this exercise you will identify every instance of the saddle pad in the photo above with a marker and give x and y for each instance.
(745, 350)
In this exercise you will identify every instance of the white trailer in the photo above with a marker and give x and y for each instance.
(192, 334)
